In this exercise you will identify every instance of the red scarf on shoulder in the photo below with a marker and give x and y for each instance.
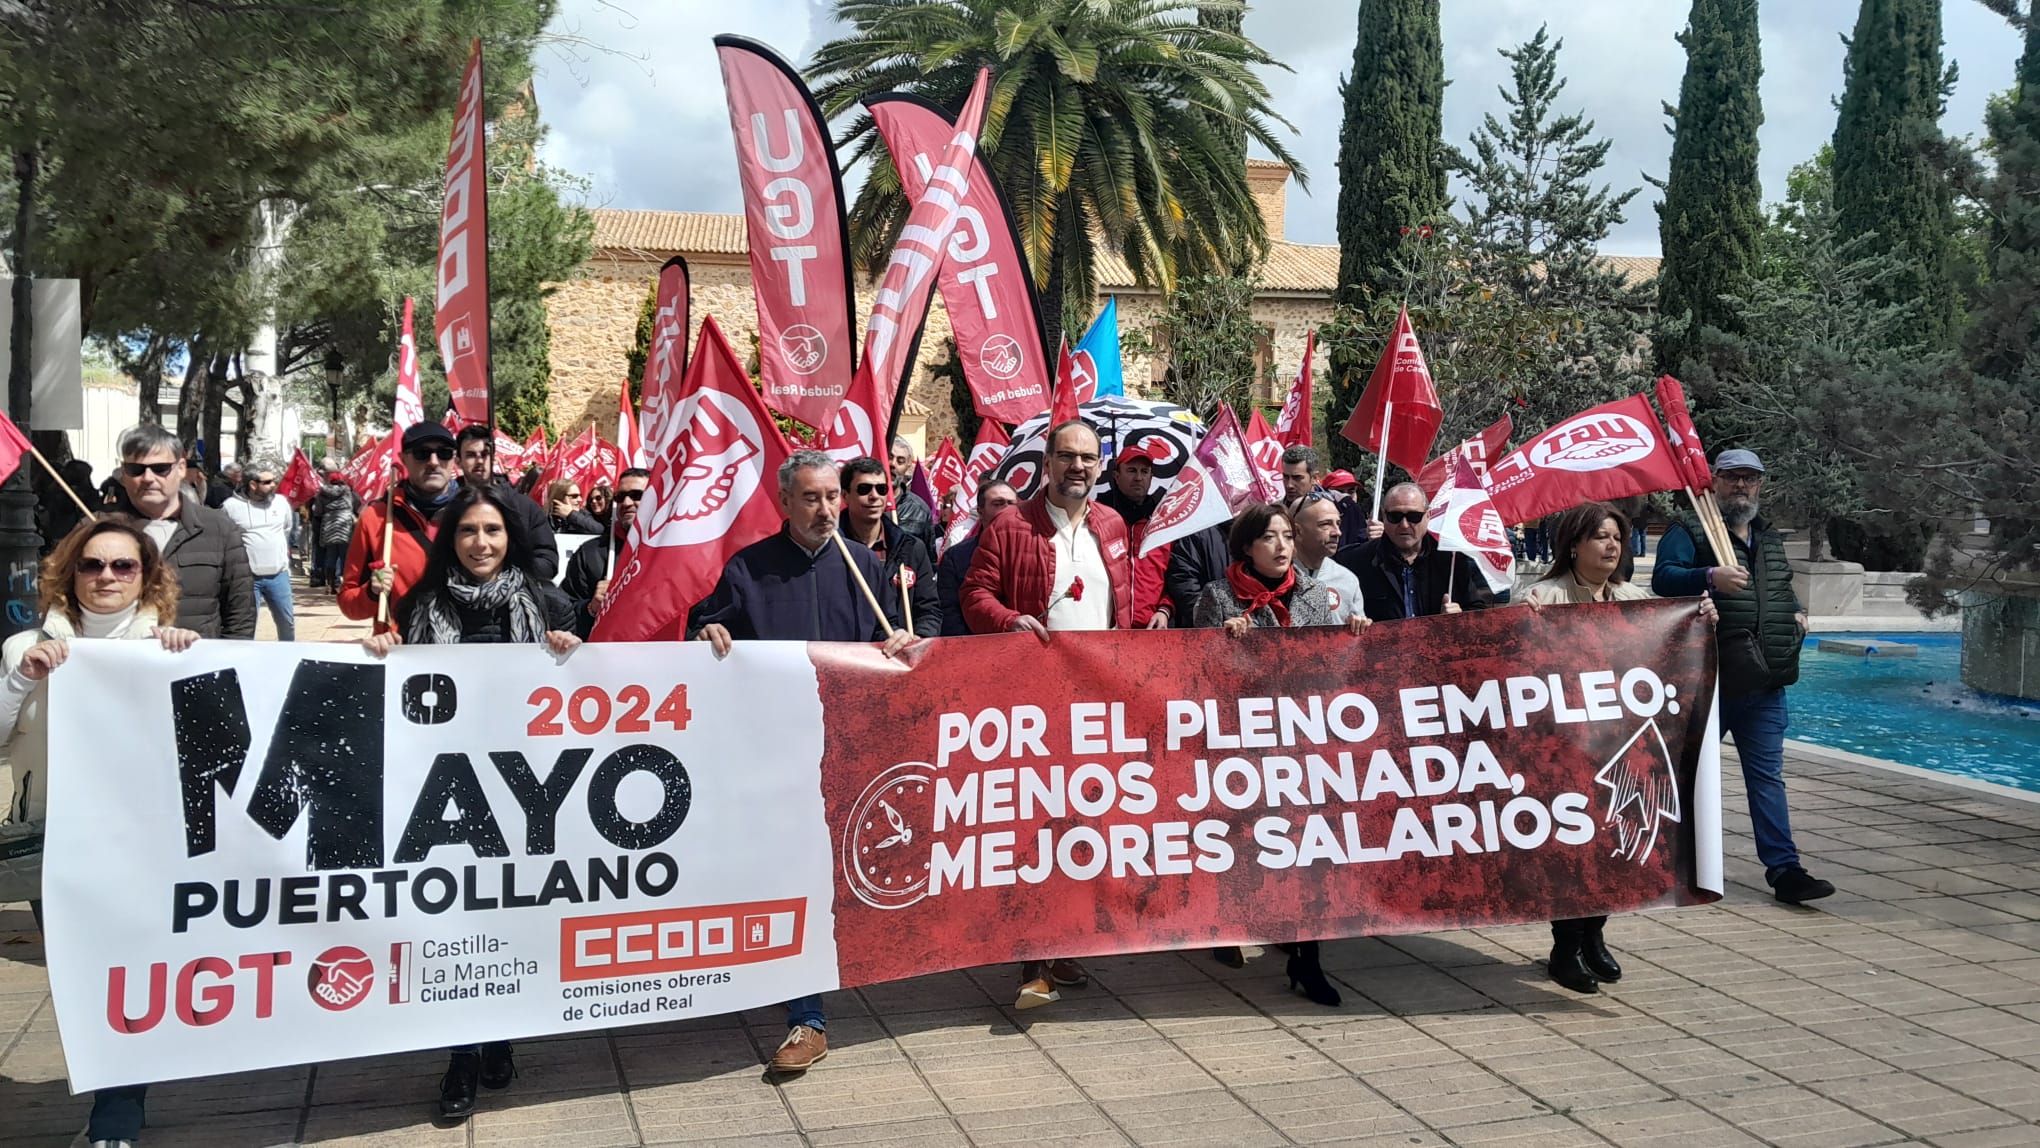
(1254, 594)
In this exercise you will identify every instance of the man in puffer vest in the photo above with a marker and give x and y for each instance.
(1762, 622)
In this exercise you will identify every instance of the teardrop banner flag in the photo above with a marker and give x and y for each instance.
(460, 313)
(328, 855)
(798, 231)
(984, 279)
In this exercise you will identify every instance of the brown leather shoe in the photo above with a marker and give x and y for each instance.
(1068, 973)
(1037, 992)
(802, 1047)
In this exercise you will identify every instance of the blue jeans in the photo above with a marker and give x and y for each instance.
(1757, 722)
(808, 1011)
(117, 1113)
(275, 590)
(1638, 541)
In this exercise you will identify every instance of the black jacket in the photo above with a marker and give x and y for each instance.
(1196, 561)
(586, 568)
(915, 517)
(334, 511)
(949, 576)
(578, 522)
(1133, 512)
(903, 551)
(772, 591)
(1379, 569)
(215, 590)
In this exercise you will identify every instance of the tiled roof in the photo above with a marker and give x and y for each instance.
(669, 232)
(1635, 269)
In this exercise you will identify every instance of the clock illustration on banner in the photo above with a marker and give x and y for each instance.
(886, 840)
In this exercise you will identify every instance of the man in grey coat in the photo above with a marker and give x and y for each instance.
(216, 591)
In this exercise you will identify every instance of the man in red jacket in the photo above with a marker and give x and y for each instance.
(1056, 562)
(416, 503)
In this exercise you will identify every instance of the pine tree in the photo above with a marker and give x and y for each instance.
(1713, 205)
(1887, 180)
(1391, 177)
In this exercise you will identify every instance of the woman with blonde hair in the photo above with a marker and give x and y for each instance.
(104, 580)
(563, 509)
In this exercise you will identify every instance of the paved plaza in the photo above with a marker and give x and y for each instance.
(1905, 1010)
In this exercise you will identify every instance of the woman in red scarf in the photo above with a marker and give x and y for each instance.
(1263, 588)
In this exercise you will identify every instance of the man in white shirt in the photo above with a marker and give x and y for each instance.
(264, 519)
(1317, 539)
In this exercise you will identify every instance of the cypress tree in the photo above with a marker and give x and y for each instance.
(1887, 180)
(1391, 175)
(1713, 206)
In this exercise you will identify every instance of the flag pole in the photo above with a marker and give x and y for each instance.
(65, 486)
(389, 530)
(1381, 457)
(906, 602)
(869, 597)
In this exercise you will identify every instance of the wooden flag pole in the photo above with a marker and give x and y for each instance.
(86, 510)
(869, 597)
(1381, 457)
(389, 532)
(906, 602)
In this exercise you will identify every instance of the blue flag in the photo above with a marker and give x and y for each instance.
(1102, 343)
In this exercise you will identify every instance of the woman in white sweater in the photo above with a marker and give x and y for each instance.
(104, 580)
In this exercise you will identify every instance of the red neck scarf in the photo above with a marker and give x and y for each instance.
(1254, 593)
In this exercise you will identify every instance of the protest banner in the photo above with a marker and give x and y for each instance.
(292, 853)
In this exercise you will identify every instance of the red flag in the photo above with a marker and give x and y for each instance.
(711, 494)
(630, 448)
(298, 483)
(667, 362)
(1400, 378)
(1293, 425)
(369, 472)
(1264, 450)
(452, 421)
(983, 277)
(410, 406)
(1481, 450)
(1070, 378)
(509, 455)
(1223, 451)
(799, 237)
(945, 469)
(461, 311)
(578, 461)
(610, 462)
(14, 447)
(535, 452)
(1612, 451)
(992, 441)
(1692, 457)
(1464, 519)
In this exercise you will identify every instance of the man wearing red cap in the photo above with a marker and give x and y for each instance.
(1132, 494)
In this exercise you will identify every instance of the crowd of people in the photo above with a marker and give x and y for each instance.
(458, 553)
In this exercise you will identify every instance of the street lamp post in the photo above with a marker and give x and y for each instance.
(336, 368)
(20, 545)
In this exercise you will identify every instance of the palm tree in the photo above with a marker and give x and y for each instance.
(1107, 128)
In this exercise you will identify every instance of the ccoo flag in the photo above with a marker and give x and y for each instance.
(460, 313)
(1398, 415)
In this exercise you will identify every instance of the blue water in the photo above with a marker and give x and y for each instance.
(1915, 711)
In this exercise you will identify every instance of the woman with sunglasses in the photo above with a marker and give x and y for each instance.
(479, 586)
(1263, 589)
(563, 508)
(1587, 544)
(104, 580)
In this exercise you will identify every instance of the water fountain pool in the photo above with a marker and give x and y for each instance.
(1915, 711)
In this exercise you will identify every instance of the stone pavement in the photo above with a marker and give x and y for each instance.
(1904, 1011)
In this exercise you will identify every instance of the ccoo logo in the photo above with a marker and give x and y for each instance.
(1594, 442)
(714, 464)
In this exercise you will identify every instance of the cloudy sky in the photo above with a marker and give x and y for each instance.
(635, 101)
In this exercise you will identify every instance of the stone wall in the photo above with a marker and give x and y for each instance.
(594, 321)
(1288, 318)
(2001, 645)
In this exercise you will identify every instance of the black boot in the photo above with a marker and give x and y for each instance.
(1568, 967)
(457, 1087)
(1595, 955)
(1229, 956)
(497, 1067)
(1306, 975)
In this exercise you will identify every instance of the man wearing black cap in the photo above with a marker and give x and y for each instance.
(1758, 635)
(413, 505)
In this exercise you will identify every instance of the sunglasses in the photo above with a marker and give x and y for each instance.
(431, 453)
(124, 569)
(261, 482)
(159, 469)
(629, 495)
(864, 488)
(1407, 517)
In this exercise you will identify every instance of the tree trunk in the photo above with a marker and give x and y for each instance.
(191, 396)
(215, 403)
(1051, 306)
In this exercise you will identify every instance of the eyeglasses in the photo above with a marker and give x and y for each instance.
(1734, 479)
(1071, 458)
(159, 469)
(431, 453)
(124, 569)
(865, 488)
(1408, 517)
(629, 495)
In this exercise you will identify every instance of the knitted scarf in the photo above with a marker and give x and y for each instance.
(507, 589)
(1254, 594)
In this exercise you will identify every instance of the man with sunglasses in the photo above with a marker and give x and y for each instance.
(265, 522)
(475, 452)
(905, 564)
(413, 505)
(587, 578)
(216, 593)
(1403, 574)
